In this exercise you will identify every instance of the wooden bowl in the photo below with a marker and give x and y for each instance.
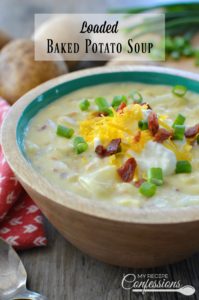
(119, 236)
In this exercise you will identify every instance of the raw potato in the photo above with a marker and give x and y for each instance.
(4, 39)
(19, 72)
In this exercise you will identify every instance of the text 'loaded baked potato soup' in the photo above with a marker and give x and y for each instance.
(128, 144)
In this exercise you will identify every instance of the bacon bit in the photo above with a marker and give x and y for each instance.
(42, 127)
(121, 106)
(127, 171)
(112, 148)
(103, 114)
(99, 114)
(147, 104)
(54, 158)
(162, 135)
(72, 114)
(100, 150)
(138, 183)
(192, 131)
(153, 122)
(137, 137)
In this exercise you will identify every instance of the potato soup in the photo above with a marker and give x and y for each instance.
(128, 144)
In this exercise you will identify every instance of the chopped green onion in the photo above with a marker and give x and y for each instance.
(147, 189)
(77, 140)
(65, 131)
(101, 103)
(188, 51)
(169, 44)
(179, 42)
(179, 131)
(179, 90)
(117, 100)
(108, 111)
(136, 96)
(143, 125)
(196, 54)
(175, 55)
(179, 120)
(103, 106)
(155, 175)
(80, 144)
(183, 166)
(81, 147)
(84, 105)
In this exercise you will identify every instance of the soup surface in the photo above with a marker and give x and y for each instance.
(127, 144)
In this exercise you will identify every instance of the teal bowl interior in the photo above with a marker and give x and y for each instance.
(67, 87)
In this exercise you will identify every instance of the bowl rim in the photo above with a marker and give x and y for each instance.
(99, 209)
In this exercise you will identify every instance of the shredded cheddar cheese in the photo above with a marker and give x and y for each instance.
(181, 153)
(121, 125)
(124, 125)
(162, 123)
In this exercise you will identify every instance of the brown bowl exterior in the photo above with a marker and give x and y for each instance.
(119, 243)
(132, 238)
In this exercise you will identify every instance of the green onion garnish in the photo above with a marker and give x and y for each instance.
(65, 131)
(80, 144)
(155, 175)
(101, 103)
(136, 96)
(77, 140)
(188, 51)
(143, 125)
(117, 100)
(197, 57)
(108, 111)
(103, 106)
(183, 166)
(169, 44)
(175, 55)
(148, 189)
(179, 120)
(82, 147)
(179, 42)
(179, 131)
(84, 105)
(179, 90)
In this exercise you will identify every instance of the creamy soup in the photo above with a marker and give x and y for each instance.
(127, 144)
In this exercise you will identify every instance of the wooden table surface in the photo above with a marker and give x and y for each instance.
(60, 271)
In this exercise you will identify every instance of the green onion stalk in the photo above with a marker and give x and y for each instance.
(181, 24)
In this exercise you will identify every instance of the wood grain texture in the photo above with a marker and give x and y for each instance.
(62, 272)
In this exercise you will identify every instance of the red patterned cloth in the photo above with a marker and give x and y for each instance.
(21, 222)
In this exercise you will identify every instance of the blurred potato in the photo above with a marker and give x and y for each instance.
(19, 72)
(4, 39)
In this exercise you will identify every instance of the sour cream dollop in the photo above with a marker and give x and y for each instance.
(155, 155)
